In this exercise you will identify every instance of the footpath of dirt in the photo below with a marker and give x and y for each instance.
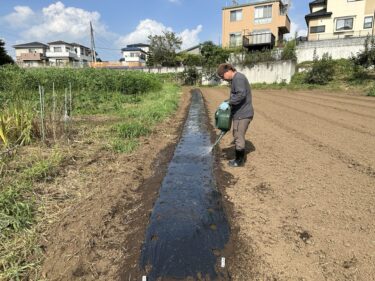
(99, 237)
(304, 202)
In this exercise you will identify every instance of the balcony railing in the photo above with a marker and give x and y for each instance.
(31, 57)
(259, 40)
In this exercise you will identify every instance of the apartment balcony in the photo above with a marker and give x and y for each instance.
(31, 57)
(284, 24)
(71, 55)
(85, 58)
(259, 41)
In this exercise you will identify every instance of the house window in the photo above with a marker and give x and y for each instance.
(236, 15)
(57, 49)
(263, 14)
(317, 29)
(344, 24)
(368, 22)
(235, 39)
(32, 51)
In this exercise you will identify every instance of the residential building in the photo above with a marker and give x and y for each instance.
(63, 53)
(333, 19)
(135, 55)
(31, 54)
(256, 25)
(84, 53)
(195, 50)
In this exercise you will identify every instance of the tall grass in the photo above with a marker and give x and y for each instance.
(94, 91)
(16, 123)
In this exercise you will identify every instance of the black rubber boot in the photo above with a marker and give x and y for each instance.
(240, 159)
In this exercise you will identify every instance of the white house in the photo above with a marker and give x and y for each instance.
(61, 53)
(135, 55)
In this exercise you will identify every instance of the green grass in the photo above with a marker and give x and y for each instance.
(123, 146)
(142, 116)
(18, 215)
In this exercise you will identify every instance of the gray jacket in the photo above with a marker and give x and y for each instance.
(240, 97)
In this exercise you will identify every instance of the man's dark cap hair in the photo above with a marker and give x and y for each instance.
(224, 67)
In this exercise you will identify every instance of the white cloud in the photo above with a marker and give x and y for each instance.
(294, 28)
(59, 22)
(21, 17)
(65, 23)
(142, 31)
(175, 1)
(56, 22)
(190, 37)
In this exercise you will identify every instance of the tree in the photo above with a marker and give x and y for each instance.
(212, 56)
(4, 57)
(163, 49)
(190, 59)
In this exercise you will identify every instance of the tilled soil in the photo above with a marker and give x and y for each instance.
(302, 208)
(304, 202)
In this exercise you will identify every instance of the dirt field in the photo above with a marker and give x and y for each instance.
(304, 202)
(301, 209)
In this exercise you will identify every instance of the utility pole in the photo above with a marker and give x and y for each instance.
(93, 52)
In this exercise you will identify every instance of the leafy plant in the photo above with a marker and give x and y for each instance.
(191, 76)
(322, 70)
(371, 92)
(366, 58)
(289, 51)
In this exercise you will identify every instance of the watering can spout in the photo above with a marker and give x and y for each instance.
(219, 139)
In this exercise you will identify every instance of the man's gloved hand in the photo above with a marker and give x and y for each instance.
(224, 105)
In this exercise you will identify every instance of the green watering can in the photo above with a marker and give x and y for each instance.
(223, 122)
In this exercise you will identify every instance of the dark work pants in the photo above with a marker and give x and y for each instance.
(239, 130)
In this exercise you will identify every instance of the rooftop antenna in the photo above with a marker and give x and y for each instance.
(234, 2)
(93, 52)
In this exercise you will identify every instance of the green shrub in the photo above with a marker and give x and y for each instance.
(289, 51)
(322, 70)
(366, 58)
(190, 76)
(371, 92)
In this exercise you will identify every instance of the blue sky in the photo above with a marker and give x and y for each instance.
(119, 22)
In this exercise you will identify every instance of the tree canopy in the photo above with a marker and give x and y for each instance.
(163, 49)
(212, 56)
(4, 57)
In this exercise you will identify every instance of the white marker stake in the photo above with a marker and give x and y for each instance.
(144, 278)
(222, 262)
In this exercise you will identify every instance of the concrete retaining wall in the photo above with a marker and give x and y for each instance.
(338, 48)
(272, 72)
